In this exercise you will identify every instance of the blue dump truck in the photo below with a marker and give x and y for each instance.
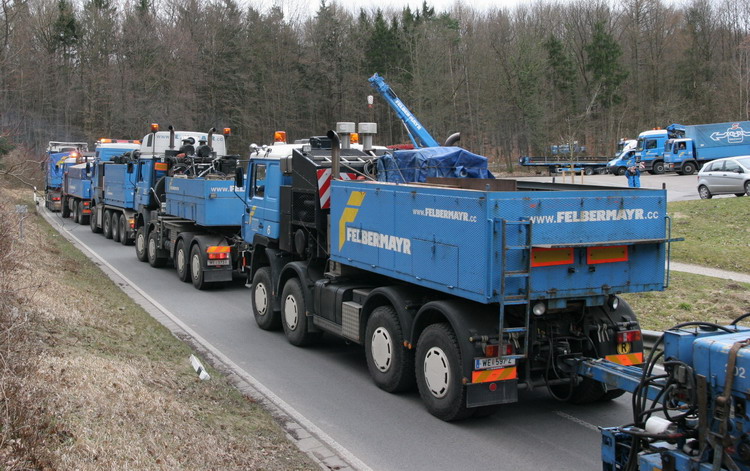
(59, 156)
(689, 147)
(468, 289)
(113, 179)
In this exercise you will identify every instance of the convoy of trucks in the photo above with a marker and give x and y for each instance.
(58, 157)
(466, 289)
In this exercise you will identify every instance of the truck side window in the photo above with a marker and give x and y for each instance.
(149, 140)
(651, 144)
(259, 180)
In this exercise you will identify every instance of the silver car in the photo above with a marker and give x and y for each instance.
(730, 175)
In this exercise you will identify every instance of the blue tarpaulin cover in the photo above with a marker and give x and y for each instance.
(416, 165)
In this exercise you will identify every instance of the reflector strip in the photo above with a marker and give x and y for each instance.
(218, 249)
(613, 253)
(487, 376)
(547, 257)
(162, 166)
(324, 185)
(626, 360)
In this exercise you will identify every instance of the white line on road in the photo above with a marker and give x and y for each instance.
(567, 416)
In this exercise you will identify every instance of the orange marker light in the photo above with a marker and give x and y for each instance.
(279, 136)
(154, 127)
(354, 138)
(227, 131)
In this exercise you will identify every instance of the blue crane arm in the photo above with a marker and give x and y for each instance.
(418, 134)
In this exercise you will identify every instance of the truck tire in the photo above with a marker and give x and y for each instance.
(261, 300)
(64, 208)
(124, 239)
(83, 219)
(391, 365)
(154, 259)
(620, 171)
(107, 224)
(688, 168)
(294, 315)
(588, 171)
(439, 373)
(141, 244)
(115, 226)
(92, 221)
(196, 268)
(181, 261)
(658, 167)
(704, 192)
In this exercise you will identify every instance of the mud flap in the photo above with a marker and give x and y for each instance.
(487, 394)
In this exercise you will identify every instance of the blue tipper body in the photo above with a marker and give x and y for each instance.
(119, 186)
(79, 182)
(56, 166)
(451, 239)
(207, 202)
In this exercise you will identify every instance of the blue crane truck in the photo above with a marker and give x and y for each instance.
(689, 147)
(78, 188)
(59, 156)
(689, 401)
(467, 289)
(113, 180)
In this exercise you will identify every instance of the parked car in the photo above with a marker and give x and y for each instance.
(730, 175)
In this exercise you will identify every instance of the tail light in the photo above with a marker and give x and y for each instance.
(494, 350)
(628, 336)
(131, 223)
(218, 252)
(55, 198)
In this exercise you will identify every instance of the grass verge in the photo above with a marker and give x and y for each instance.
(105, 386)
(716, 232)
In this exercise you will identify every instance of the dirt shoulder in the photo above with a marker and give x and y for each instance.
(90, 381)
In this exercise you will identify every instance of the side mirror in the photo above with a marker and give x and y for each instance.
(130, 167)
(88, 167)
(239, 177)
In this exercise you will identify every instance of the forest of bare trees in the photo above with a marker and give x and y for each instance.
(513, 81)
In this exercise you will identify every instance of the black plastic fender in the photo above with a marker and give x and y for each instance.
(467, 320)
(404, 299)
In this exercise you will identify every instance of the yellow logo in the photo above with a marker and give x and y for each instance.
(623, 348)
(349, 214)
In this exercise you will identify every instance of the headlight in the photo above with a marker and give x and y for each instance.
(539, 309)
(614, 302)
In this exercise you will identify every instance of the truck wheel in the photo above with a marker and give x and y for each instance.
(704, 192)
(262, 300)
(196, 268)
(181, 261)
(154, 259)
(74, 212)
(83, 219)
(107, 224)
(391, 365)
(658, 167)
(294, 315)
(115, 226)
(64, 208)
(588, 171)
(439, 373)
(141, 244)
(92, 221)
(688, 168)
(124, 239)
(620, 171)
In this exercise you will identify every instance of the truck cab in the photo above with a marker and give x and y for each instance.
(651, 148)
(679, 156)
(619, 164)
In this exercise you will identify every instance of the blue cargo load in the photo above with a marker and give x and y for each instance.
(56, 166)
(417, 165)
(586, 244)
(207, 202)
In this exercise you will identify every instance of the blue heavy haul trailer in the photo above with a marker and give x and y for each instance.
(689, 147)
(59, 156)
(192, 214)
(468, 289)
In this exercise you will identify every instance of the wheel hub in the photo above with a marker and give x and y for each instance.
(437, 372)
(381, 349)
(181, 260)
(291, 316)
(152, 248)
(261, 299)
(195, 266)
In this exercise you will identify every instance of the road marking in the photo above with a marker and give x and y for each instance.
(260, 390)
(582, 422)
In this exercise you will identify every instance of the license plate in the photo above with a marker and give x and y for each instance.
(218, 262)
(494, 362)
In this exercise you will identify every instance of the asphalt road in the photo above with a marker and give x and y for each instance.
(329, 385)
(679, 187)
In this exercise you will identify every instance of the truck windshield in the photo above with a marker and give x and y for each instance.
(640, 145)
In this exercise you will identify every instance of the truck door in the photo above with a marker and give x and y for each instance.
(257, 183)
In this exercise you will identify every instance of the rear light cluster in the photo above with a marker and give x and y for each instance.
(494, 350)
(55, 198)
(218, 252)
(545, 257)
(628, 336)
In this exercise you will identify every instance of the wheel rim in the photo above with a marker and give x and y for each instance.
(139, 242)
(437, 373)
(152, 249)
(181, 260)
(381, 348)
(261, 299)
(704, 192)
(291, 314)
(195, 266)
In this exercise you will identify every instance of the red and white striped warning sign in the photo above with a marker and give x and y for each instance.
(324, 185)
